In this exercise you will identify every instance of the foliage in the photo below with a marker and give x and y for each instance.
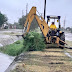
(68, 28)
(19, 26)
(15, 23)
(22, 21)
(71, 30)
(34, 24)
(33, 42)
(17, 42)
(3, 19)
(13, 49)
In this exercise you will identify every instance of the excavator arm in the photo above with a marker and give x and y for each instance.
(41, 22)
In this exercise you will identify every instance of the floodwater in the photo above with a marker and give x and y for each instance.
(5, 61)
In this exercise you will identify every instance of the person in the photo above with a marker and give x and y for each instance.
(53, 26)
(53, 31)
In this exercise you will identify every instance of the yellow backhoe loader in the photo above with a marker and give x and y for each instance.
(57, 38)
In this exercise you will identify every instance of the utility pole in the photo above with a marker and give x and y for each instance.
(64, 22)
(26, 8)
(44, 9)
(22, 24)
(22, 13)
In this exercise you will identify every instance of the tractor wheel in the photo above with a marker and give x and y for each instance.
(62, 37)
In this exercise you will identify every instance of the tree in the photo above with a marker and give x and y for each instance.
(68, 28)
(34, 23)
(22, 20)
(16, 23)
(3, 19)
(71, 30)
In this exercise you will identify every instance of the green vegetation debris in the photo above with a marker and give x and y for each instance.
(33, 42)
(13, 49)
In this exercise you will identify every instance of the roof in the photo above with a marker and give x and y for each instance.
(54, 17)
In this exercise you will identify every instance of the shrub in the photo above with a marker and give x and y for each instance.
(13, 49)
(17, 42)
(71, 30)
(33, 42)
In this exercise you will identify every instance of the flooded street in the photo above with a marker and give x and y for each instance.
(5, 61)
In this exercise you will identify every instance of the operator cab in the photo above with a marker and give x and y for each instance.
(54, 32)
(54, 17)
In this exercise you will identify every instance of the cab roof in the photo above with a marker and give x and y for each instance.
(53, 17)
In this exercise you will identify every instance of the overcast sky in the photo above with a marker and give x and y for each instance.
(13, 9)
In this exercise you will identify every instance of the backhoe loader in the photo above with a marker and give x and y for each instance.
(57, 38)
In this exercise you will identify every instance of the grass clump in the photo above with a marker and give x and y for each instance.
(17, 42)
(33, 42)
(13, 49)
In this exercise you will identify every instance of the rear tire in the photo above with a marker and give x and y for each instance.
(62, 37)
